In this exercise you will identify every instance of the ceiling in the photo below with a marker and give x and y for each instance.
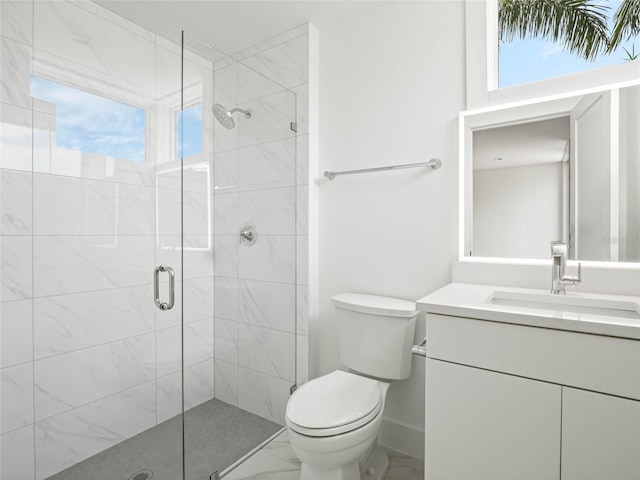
(231, 26)
(523, 144)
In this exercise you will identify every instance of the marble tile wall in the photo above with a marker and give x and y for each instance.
(86, 358)
(16, 245)
(261, 175)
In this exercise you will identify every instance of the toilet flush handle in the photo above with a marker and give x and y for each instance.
(420, 349)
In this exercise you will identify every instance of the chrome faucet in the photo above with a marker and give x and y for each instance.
(559, 255)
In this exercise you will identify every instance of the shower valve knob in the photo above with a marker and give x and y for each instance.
(248, 234)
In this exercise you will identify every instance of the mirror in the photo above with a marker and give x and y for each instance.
(563, 169)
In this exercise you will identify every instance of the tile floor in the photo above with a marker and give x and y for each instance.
(276, 461)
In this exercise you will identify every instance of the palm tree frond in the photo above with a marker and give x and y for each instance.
(626, 23)
(580, 25)
(631, 55)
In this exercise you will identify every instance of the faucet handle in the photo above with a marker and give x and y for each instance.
(577, 280)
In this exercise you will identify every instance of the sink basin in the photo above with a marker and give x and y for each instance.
(567, 303)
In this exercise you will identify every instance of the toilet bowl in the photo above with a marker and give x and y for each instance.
(333, 420)
(333, 423)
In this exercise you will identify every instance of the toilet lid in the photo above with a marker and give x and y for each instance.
(375, 305)
(334, 400)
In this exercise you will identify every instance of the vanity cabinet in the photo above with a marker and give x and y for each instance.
(485, 425)
(600, 436)
(509, 402)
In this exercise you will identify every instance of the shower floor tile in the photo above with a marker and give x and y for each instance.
(216, 435)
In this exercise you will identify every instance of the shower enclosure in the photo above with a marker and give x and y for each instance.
(140, 337)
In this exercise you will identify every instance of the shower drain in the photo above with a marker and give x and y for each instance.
(142, 475)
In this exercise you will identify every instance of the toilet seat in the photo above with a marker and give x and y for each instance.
(336, 403)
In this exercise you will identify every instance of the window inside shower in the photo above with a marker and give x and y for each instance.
(188, 132)
(92, 123)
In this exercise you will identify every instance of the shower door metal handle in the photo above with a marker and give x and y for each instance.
(172, 287)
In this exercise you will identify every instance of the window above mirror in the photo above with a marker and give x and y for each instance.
(528, 54)
(483, 59)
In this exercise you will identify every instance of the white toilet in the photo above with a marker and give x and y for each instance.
(333, 420)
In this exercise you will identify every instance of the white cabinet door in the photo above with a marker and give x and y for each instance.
(482, 425)
(600, 436)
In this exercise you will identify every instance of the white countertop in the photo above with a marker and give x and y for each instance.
(473, 301)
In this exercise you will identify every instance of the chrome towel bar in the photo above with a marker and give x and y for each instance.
(434, 163)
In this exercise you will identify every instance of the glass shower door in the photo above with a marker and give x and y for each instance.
(245, 341)
(96, 391)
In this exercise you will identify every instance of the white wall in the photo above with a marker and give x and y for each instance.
(391, 86)
(517, 211)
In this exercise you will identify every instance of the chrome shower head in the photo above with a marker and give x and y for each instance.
(224, 116)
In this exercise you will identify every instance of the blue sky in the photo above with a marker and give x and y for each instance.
(94, 124)
(522, 61)
(90, 123)
(189, 131)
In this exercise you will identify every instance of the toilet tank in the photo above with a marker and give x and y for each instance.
(376, 334)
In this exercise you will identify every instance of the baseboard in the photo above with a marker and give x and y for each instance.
(402, 438)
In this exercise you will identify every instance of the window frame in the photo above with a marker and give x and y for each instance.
(69, 75)
(141, 108)
(482, 66)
